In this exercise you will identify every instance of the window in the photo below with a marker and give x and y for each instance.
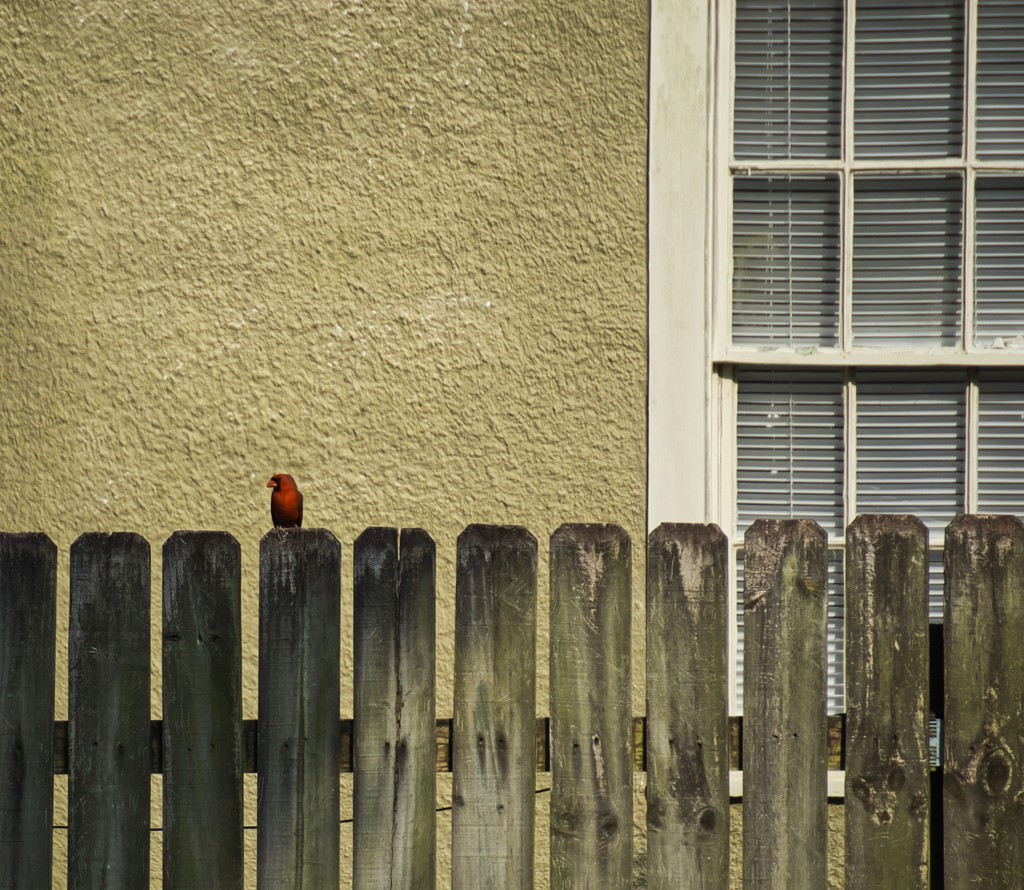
(867, 273)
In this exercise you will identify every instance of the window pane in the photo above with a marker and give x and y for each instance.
(910, 444)
(1000, 79)
(788, 78)
(999, 263)
(785, 288)
(906, 261)
(936, 586)
(1001, 442)
(835, 654)
(909, 64)
(790, 447)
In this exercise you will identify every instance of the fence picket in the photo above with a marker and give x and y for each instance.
(495, 703)
(887, 770)
(983, 742)
(394, 756)
(299, 692)
(785, 775)
(108, 708)
(28, 604)
(591, 720)
(202, 705)
(687, 726)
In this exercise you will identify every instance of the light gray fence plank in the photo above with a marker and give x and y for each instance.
(983, 735)
(687, 706)
(202, 705)
(299, 693)
(887, 778)
(109, 713)
(394, 756)
(495, 708)
(785, 777)
(28, 608)
(591, 721)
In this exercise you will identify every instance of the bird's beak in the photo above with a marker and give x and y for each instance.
(270, 484)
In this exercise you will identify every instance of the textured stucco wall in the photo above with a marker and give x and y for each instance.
(394, 248)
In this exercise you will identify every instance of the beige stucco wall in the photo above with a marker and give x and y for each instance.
(394, 248)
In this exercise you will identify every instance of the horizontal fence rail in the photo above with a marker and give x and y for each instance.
(905, 826)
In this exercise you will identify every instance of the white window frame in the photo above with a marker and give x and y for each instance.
(691, 379)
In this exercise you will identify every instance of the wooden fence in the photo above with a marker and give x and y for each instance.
(494, 744)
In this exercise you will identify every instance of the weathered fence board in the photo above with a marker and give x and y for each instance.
(687, 727)
(28, 608)
(202, 704)
(495, 705)
(784, 767)
(591, 721)
(887, 770)
(108, 708)
(394, 754)
(299, 692)
(495, 743)
(984, 726)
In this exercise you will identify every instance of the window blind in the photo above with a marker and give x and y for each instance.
(788, 78)
(785, 289)
(909, 74)
(907, 260)
(910, 444)
(999, 262)
(789, 434)
(1000, 91)
(1001, 442)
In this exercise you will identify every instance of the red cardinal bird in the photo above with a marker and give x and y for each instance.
(285, 502)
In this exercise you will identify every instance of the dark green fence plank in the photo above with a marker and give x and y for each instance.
(785, 776)
(28, 608)
(495, 706)
(887, 772)
(983, 731)
(687, 707)
(299, 692)
(202, 704)
(109, 711)
(591, 720)
(394, 756)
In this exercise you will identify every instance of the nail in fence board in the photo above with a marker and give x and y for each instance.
(785, 778)
(984, 742)
(202, 705)
(495, 707)
(887, 770)
(108, 707)
(28, 606)
(299, 692)
(394, 753)
(687, 726)
(591, 721)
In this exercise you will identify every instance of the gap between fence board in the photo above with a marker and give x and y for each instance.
(835, 742)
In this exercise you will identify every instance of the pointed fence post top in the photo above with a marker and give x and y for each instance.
(480, 536)
(589, 535)
(109, 542)
(288, 544)
(378, 536)
(770, 532)
(699, 533)
(188, 539)
(976, 525)
(11, 542)
(305, 535)
(872, 525)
